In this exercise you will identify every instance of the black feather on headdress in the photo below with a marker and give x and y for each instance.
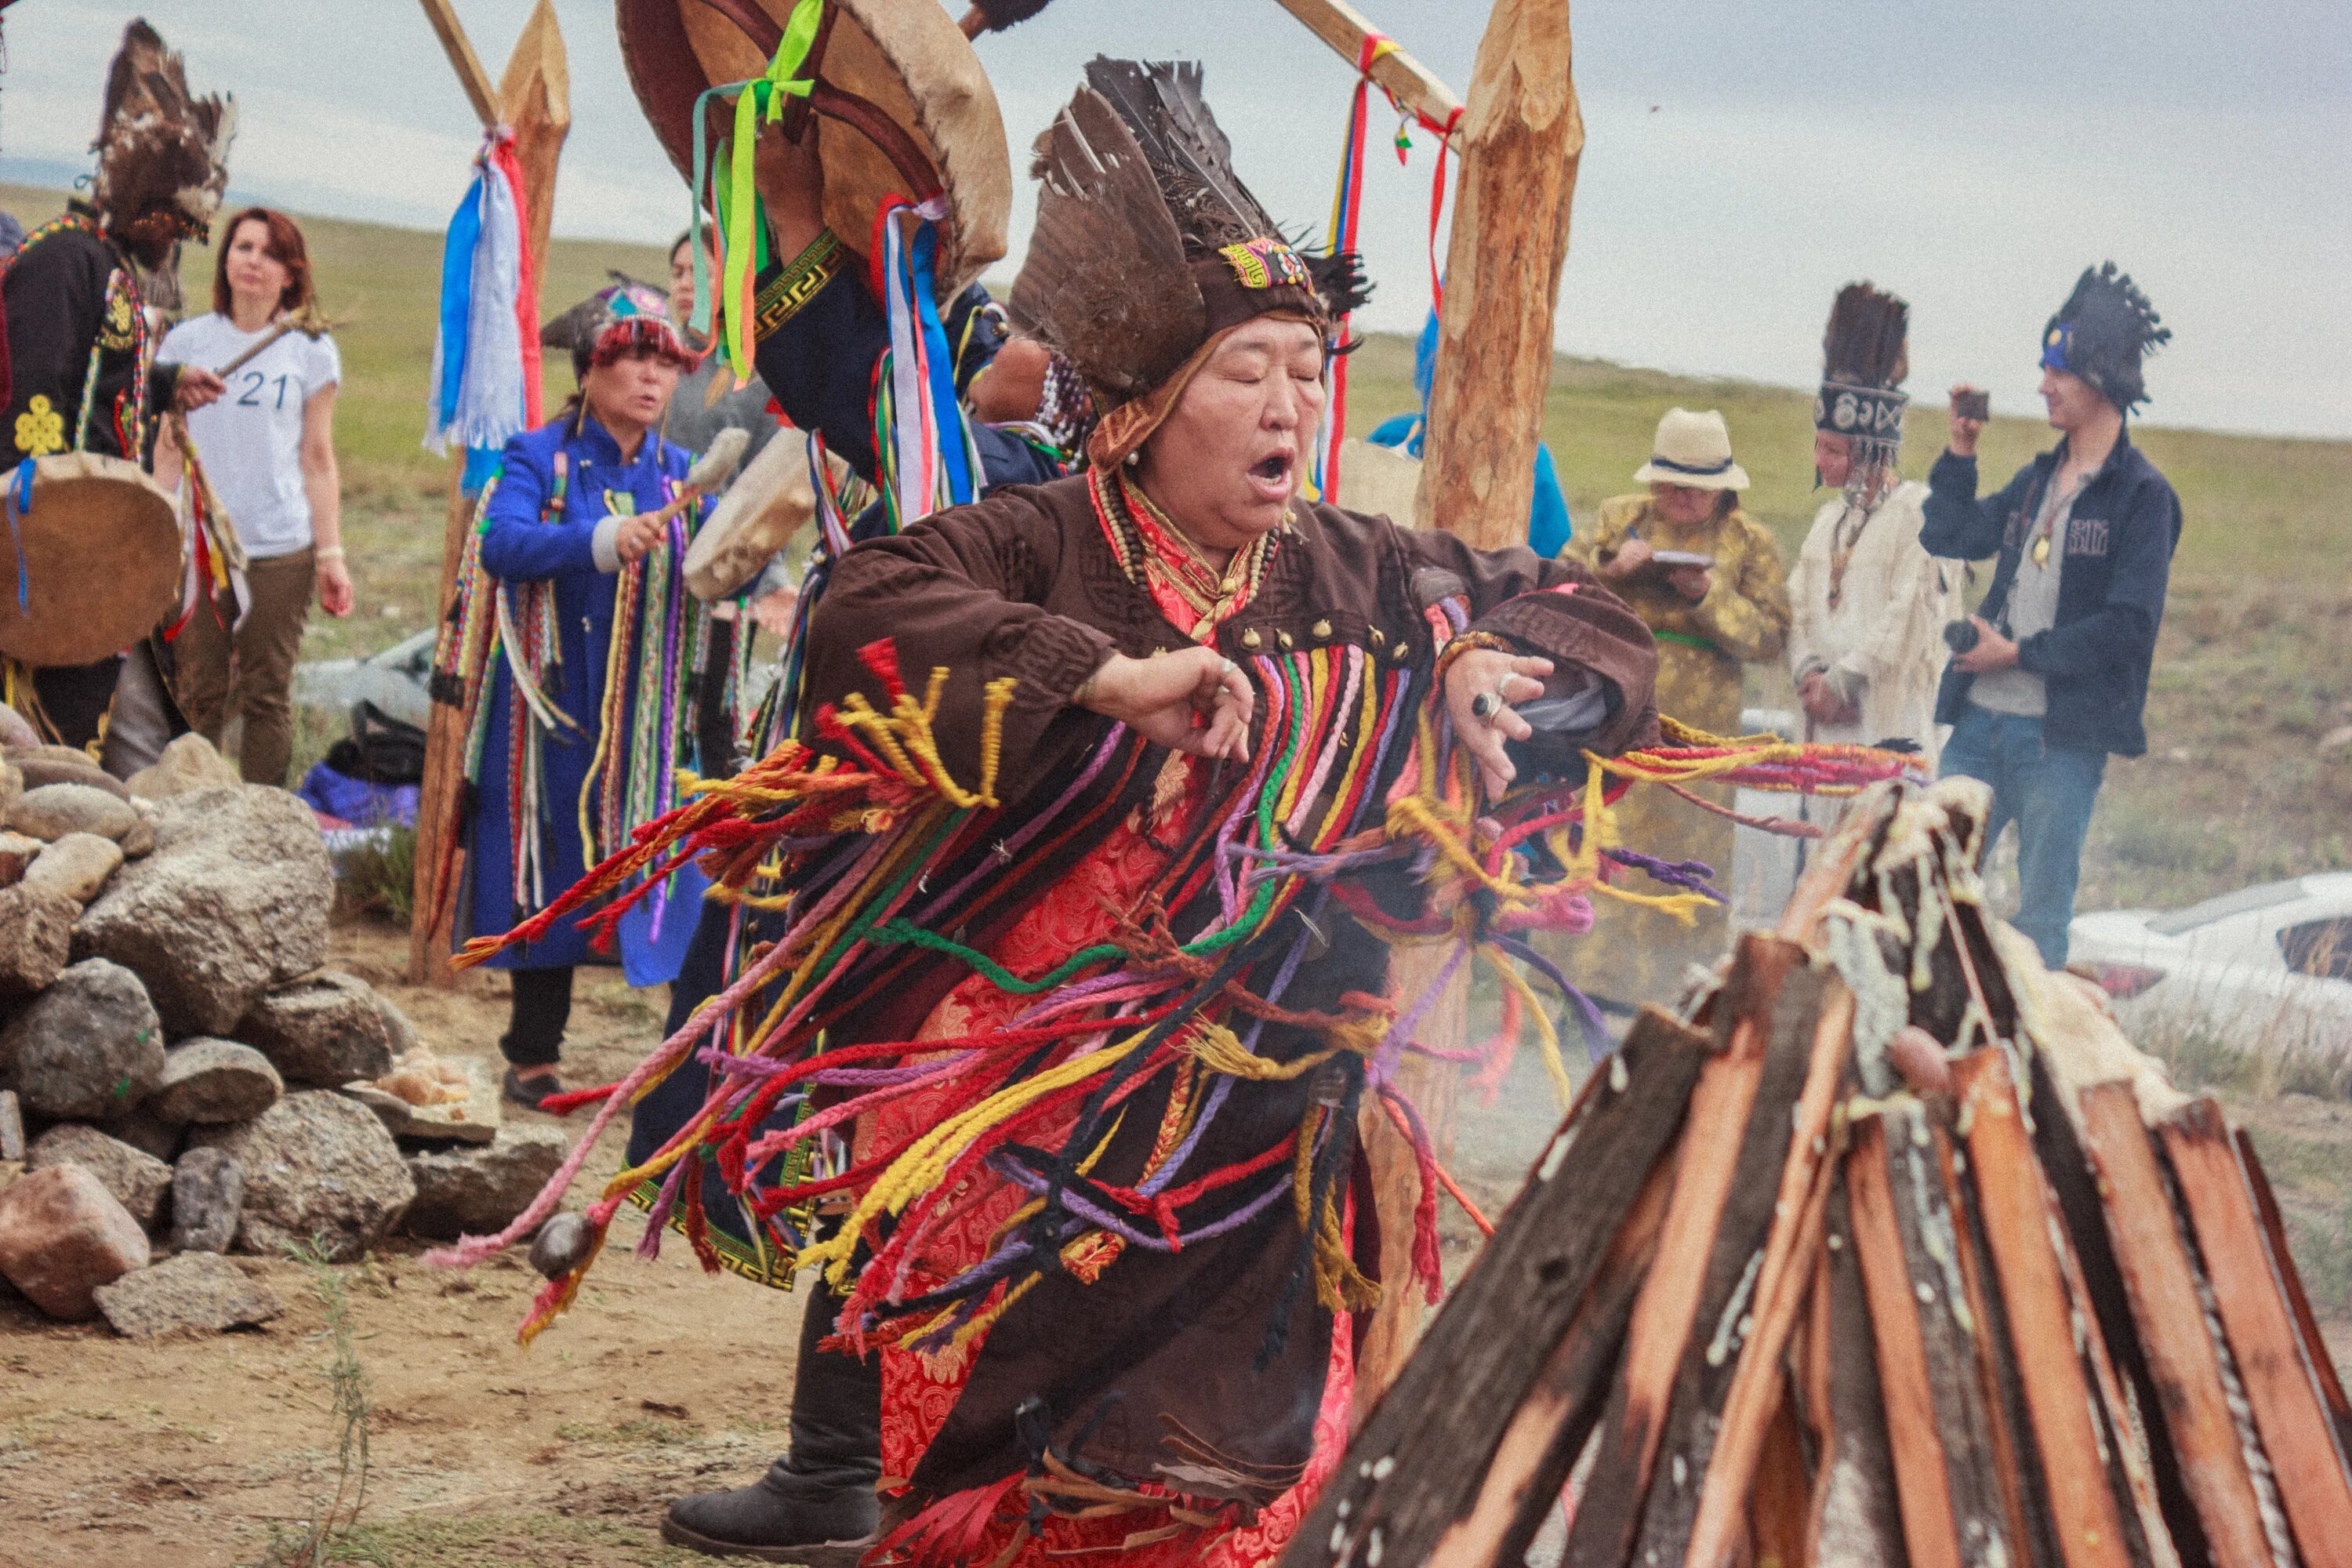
(1103, 283)
(1144, 229)
(162, 151)
(1864, 357)
(998, 14)
(2102, 331)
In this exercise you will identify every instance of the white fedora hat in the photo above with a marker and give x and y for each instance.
(1692, 449)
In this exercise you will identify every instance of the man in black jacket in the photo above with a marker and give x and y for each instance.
(2056, 675)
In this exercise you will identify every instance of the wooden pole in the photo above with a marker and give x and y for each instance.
(1409, 81)
(1519, 139)
(464, 61)
(534, 97)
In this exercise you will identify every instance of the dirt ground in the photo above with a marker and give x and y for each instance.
(200, 1453)
(194, 1453)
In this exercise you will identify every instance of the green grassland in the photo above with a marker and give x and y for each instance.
(2249, 679)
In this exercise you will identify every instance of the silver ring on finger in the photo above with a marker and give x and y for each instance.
(1486, 707)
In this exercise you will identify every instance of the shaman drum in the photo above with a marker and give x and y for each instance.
(770, 501)
(89, 561)
(902, 108)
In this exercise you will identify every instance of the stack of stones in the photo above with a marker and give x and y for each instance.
(174, 1059)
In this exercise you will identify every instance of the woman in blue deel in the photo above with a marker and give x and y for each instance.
(586, 701)
(1547, 520)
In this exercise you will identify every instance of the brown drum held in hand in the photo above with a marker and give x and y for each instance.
(902, 108)
(98, 556)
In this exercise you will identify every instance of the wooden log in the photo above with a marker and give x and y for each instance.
(1757, 1384)
(1406, 79)
(1417, 1464)
(1521, 135)
(1855, 1521)
(1519, 139)
(534, 98)
(1549, 1430)
(1758, 1199)
(2096, 1276)
(2007, 1425)
(2315, 1346)
(2160, 1284)
(1708, 1161)
(463, 60)
(1433, 1084)
(1923, 1487)
(2016, 1208)
(2290, 1414)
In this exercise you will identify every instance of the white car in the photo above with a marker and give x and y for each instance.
(2267, 969)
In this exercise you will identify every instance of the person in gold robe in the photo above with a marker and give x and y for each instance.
(1707, 579)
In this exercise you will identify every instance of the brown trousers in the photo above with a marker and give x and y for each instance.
(264, 649)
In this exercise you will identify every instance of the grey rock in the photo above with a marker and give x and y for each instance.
(140, 841)
(77, 866)
(36, 940)
(475, 1190)
(62, 1236)
(18, 852)
(48, 768)
(16, 730)
(326, 1028)
(52, 811)
(12, 785)
(86, 1050)
(12, 1127)
(138, 1179)
(399, 1034)
(199, 1292)
(188, 764)
(143, 1130)
(315, 1164)
(233, 900)
(211, 1080)
(207, 1198)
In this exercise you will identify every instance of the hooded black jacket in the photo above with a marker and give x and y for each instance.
(2119, 542)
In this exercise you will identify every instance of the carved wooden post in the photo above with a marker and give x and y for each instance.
(1519, 139)
(534, 97)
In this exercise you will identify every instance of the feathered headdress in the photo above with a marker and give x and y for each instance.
(1148, 246)
(162, 151)
(2102, 333)
(1865, 358)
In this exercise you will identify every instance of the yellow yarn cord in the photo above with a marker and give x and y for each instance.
(1547, 1036)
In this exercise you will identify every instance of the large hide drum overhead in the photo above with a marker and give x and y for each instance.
(98, 556)
(906, 57)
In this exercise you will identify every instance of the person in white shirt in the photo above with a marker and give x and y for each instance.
(1868, 604)
(268, 446)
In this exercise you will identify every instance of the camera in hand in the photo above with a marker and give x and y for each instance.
(1972, 404)
(1961, 635)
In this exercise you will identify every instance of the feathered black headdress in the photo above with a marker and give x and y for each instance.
(1864, 357)
(162, 151)
(2102, 333)
(1147, 243)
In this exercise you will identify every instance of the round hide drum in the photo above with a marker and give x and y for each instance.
(770, 501)
(1379, 481)
(904, 65)
(97, 555)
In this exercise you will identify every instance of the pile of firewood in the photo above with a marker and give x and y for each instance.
(1895, 1251)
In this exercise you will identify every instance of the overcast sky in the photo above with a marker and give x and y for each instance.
(1742, 160)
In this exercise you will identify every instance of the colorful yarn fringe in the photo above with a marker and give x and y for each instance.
(863, 873)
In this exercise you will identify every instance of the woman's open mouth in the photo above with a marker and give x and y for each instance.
(1270, 477)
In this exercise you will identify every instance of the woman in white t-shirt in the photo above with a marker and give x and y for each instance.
(268, 446)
